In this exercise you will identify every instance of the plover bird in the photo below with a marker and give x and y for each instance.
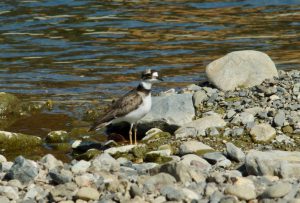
(132, 106)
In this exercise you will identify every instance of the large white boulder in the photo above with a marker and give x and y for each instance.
(241, 69)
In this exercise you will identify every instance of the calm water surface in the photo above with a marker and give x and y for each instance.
(77, 51)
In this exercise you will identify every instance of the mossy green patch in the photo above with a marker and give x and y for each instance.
(57, 137)
(232, 99)
(288, 129)
(157, 158)
(88, 155)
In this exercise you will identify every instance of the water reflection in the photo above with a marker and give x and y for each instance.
(62, 49)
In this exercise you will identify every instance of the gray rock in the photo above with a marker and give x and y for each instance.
(214, 157)
(178, 170)
(243, 188)
(199, 97)
(88, 193)
(135, 191)
(10, 192)
(158, 181)
(81, 166)
(60, 177)
(4, 199)
(279, 118)
(172, 193)
(23, 170)
(192, 160)
(163, 110)
(246, 118)
(263, 132)
(237, 131)
(121, 149)
(192, 146)
(198, 127)
(50, 162)
(230, 113)
(32, 193)
(144, 168)
(63, 191)
(277, 190)
(241, 69)
(105, 162)
(275, 163)
(234, 152)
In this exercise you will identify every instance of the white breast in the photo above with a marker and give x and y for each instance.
(139, 113)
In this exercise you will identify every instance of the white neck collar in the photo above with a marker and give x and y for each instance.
(146, 85)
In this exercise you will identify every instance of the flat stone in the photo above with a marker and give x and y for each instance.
(151, 133)
(214, 157)
(9, 192)
(279, 118)
(191, 160)
(263, 132)
(122, 149)
(61, 177)
(246, 118)
(158, 181)
(198, 127)
(241, 69)
(191, 147)
(88, 193)
(277, 190)
(81, 166)
(172, 193)
(199, 97)
(23, 170)
(243, 188)
(105, 162)
(178, 170)
(234, 152)
(50, 162)
(274, 163)
(163, 110)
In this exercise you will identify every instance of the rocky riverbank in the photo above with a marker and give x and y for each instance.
(202, 144)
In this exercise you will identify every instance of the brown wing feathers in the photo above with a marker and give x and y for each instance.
(119, 108)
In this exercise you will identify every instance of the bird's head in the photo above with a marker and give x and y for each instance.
(150, 76)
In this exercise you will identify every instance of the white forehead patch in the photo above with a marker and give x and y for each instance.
(155, 74)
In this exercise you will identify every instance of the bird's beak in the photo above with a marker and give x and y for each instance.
(160, 79)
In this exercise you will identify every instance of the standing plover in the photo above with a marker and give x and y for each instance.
(132, 106)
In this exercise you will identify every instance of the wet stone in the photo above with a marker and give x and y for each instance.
(277, 190)
(22, 170)
(234, 152)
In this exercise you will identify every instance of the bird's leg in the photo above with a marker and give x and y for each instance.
(130, 133)
(135, 132)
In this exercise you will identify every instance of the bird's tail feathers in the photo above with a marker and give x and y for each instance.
(96, 126)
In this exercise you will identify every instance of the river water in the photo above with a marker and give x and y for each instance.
(79, 51)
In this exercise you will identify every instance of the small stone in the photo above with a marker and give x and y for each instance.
(237, 131)
(150, 134)
(214, 157)
(243, 188)
(15, 183)
(9, 192)
(4, 199)
(262, 132)
(122, 149)
(172, 193)
(279, 118)
(135, 191)
(105, 162)
(234, 152)
(23, 170)
(277, 190)
(287, 129)
(50, 162)
(199, 97)
(81, 166)
(193, 160)
(84, 180)
(178, 170)
(190, 147)
(156, 182)
(88, 193)
(2, 158)
(246, 118)
(230, 113)
(64, 176)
